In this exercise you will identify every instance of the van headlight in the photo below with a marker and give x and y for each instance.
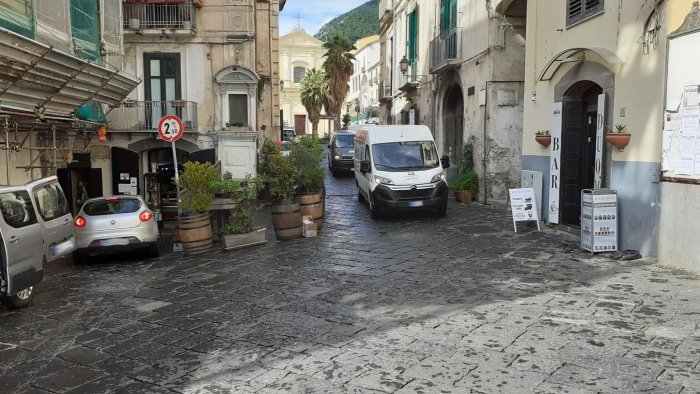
(380, 180)
(437, 178)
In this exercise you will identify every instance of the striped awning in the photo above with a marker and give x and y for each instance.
(36, 77)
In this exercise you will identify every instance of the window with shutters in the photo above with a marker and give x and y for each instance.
(412, 37)
(578, 10)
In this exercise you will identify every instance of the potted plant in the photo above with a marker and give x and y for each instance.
(286, 214)
(267, 150)
(618, 137)
(195, 224)
(237, 127)
(543, 137)
(306, 155)
(465, 186)
(238, 230)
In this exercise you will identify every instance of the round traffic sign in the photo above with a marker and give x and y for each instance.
(170, 128)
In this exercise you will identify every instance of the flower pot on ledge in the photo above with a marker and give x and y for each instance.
(544, 140)
(618, 140)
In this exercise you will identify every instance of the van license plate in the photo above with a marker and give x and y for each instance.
(114, 241)
(64, 247)
(415, 203)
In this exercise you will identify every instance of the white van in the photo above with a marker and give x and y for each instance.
(36, 226)
(399, 168)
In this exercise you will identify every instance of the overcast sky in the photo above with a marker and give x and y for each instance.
(313, 13)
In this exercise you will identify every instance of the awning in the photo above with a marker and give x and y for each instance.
(567, 56)
(35, 77)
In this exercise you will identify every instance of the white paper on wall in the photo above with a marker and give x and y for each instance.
(686, 160)
(690, 93)
(690, 120)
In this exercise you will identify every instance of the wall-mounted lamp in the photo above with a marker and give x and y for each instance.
(281, 84)
(403, 64)
(534, 96)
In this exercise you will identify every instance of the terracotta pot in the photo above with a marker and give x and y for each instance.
(618, 140)
(543, 140)
(463, 196)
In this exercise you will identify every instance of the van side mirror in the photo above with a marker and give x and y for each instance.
(445, 162)
(364, 166)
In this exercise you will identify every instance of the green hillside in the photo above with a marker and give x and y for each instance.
(360, 22)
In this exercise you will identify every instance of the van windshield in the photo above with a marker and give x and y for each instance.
(402, 156)
(344, 141)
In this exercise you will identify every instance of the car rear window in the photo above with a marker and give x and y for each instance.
(111, 207)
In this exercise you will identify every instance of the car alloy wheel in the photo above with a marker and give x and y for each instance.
(26, 293)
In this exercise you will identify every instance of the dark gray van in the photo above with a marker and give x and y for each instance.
(35, 227)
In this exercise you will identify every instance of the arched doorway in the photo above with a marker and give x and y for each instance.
(453, 126)
(578, 150)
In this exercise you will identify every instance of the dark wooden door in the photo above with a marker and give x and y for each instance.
(573, 132)
(300, 124)
(123, 162)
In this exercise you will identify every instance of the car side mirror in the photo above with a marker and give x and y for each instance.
(364, 166)
(445, 162)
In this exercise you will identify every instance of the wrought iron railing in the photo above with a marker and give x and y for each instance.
(145, 115)
(445, 47)
(168, 14)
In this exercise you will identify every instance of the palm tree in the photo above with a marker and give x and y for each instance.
(314, 88)
(339, 69)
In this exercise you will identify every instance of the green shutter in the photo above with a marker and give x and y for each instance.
(448, 15)
(86, 29)
(18, 16)
(412, 36)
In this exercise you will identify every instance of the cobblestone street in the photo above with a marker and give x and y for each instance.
(407, 304)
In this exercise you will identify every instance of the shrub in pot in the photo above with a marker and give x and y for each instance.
(267, 150)
(286, 214)
(465, 186)
(197, 196)
(306, 155)
(239, 231)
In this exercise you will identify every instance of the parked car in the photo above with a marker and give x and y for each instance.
(341, 151)
(115, 224)
(35, 227)
(288, 134)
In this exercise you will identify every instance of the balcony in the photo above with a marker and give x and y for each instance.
(445, 52)
(155, 16)
(384, 92)
(143, 116)
(410, 80)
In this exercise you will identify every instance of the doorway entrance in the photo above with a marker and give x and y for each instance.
(300, 124)
(453, 123)
(578, 150)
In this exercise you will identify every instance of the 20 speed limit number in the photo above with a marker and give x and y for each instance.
(170, 128)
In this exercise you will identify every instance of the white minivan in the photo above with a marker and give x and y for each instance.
(36, 226)
(399, 168)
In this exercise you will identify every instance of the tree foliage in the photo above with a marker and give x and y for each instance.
(359, 22)
(314, 88)
(338, 67)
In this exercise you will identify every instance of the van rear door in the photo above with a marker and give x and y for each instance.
(21, 237)
(54, 217)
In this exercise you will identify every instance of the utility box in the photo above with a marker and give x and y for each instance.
(599, 220)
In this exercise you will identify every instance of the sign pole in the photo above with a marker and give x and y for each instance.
(177, 182)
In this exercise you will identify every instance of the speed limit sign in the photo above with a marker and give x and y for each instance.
(170, 128)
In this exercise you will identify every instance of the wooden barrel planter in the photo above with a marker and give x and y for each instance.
(312, 205)
(195, 233)
(286, 219)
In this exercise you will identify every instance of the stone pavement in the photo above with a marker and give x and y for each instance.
(408, 304)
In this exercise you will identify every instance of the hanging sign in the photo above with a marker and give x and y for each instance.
(599, 136)
(170, 128)
(555, 164)
(523, 206)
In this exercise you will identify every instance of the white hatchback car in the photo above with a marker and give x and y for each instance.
(115, 224)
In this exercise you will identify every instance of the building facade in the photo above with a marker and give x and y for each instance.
(60, 72)
(213, 63)
(299, 52)
(592, 66)
(362, 100)
(466, 84)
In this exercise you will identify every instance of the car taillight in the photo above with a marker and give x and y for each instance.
(146, 216)
(80, 222)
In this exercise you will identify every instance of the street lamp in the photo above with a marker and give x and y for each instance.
(404, 63)
(281, 84)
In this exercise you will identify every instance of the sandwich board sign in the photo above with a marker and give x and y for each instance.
(523, 206)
